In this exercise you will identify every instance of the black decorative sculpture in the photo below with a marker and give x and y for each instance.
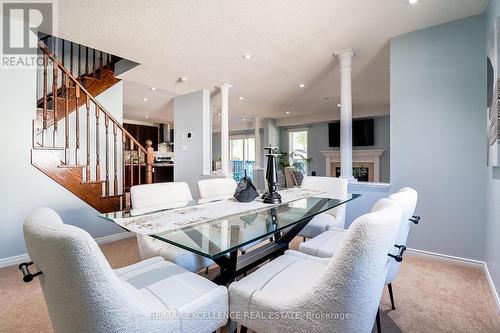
(271, 196)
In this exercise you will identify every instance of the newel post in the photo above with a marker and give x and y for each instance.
(150, 157)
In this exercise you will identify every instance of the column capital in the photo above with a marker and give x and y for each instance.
(344, 52)
(345, 56)
(225, 86)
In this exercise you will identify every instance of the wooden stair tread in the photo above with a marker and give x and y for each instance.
(48, 148)
(41, 109)
(63, 99)
(71, 178)
(89, 77)
(71, 166)
(91, 182)
(112, 196)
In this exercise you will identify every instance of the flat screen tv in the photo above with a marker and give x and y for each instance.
(362, 133)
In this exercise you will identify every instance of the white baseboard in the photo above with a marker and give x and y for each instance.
(114, 237)
(16, 260)
(462, 262)
(444, 257)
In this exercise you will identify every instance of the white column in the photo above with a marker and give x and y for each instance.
(345, 58)
(224, 129)
(257, 143)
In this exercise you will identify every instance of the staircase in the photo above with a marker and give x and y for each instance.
(76, 141)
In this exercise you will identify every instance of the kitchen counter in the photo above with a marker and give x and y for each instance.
(162, 172)
(163, 164)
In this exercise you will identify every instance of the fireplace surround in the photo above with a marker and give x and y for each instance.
(361, 158)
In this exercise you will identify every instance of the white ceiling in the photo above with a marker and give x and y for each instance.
(291, 42)
(157, 109)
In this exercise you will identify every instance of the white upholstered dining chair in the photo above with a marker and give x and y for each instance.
(152, 197)
(334, 218)
(83, 293)
(326, 244)
(295, 290)
(216, 188)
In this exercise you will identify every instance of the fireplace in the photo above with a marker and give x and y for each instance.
(366, 164)
(362, 173)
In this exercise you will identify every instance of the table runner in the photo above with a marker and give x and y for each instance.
(177, 218)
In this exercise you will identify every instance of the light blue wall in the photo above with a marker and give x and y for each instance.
(438, 101)
(369, 195)
(189, 112)
(317, 141)
(271, 133)
(492, 244)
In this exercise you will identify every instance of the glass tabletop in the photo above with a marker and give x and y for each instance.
(220, 236)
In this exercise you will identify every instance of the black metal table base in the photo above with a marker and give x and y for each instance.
(233, 265)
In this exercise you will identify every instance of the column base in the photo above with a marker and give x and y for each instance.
(350, 178)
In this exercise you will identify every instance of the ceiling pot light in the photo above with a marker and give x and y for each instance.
(242, 98)
(153, 88)
(145, 99)
(338, 105)
(247, 56)
(288, 112)
(412, 2)
(147, 116)
(183, 79)
(244, 119)
(220, 114)
(302, 85)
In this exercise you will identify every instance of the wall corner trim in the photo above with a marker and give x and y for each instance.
(492, 286)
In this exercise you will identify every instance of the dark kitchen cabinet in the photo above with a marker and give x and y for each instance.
(163, 173)
(142, 133)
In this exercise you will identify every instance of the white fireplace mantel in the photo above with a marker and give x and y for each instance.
(358, 155)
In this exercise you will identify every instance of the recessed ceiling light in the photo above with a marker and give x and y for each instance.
(247, 56)
(302, 85)
(145, 99)
(147, 116)
(412, 2)
(326, 98)
(338, 105)
(153, 88)
(220, 114)
(183, 79)
(288, 112)
(244, 119)
(242, 98)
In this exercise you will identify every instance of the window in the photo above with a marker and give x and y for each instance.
(242, 155)
(297, 144)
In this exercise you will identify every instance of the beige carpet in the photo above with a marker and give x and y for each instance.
(431, 296)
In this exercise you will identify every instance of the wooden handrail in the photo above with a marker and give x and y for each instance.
(45, 50)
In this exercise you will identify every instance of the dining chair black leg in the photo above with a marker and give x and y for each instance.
(243, 329)
(391, 294)
(243, 251)
(206, 270)
(304, 239)
(379, 330)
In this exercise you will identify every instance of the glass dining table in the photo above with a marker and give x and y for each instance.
(220, 239)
